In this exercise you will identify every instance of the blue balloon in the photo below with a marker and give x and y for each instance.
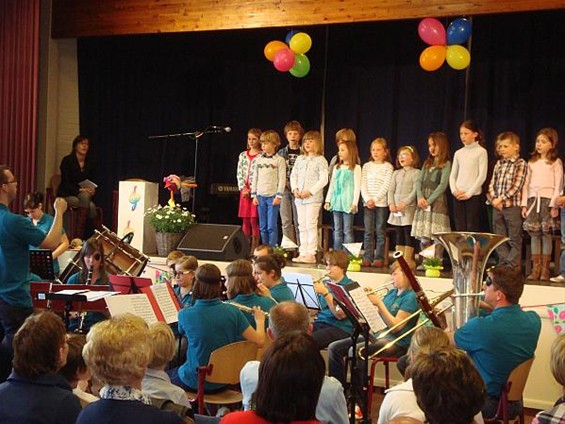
(458, 31)
(290, 34)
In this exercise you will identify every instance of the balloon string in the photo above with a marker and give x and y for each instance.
(324, 80)
(468, 73)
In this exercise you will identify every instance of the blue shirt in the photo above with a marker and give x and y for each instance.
(327, 317)
(110, 411)
(91, 318)
(16, 234)
(253, 299)
(44, 224)
(186, 300)
(209, 324)
(497, 343)
(282, 292)
(407, 302)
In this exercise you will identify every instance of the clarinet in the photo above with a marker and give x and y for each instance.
(80, 328)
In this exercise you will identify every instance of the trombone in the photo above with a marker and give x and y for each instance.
(435, 302)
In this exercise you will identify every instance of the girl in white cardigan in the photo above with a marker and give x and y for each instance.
(308, 178)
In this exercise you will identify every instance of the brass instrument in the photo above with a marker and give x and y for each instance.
(380, 291)
(243, 308)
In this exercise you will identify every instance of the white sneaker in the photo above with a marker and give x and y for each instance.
(298, 259)
(309, 259)
(558, 279)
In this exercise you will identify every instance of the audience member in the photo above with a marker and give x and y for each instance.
(17, 233)
(288, 317)
(448, 387)
(291, 375)
(34, 391)
(557, 413)
(262, 250)
(118, 352)
(502, 340)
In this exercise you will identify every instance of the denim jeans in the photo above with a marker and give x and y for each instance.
(375, 224)
(268, 220)
(343, 229)
(11, 319)
(289, 217)
(508, 222)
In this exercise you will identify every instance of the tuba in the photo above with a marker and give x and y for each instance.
(468, 253)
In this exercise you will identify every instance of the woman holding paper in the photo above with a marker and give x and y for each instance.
(93, 271)
(398, 304)
(76, 186)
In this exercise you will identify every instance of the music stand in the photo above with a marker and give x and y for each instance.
(125, 284)
(361, 327)
(41, 263)
(302, 287)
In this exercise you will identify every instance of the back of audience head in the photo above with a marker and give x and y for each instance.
(263, 250)
(509, 281)
(75, 369)
(426, 340)
(118, 350)
(207, 283)
(291, 374)
(162, 342)
(448, 387)
(240, 278)
(288, 317)
(40, 345)
(558, 359)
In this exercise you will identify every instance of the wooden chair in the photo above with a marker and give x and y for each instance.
(512, 392)
(224, 367)
(376, 360)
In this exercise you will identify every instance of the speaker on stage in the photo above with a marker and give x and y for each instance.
(215, 242)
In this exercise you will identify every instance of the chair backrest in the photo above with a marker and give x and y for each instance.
(517, 380)
(227, 361)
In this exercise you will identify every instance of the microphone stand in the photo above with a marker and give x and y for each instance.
(194, 135)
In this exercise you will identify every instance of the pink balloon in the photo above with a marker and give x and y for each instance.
(432, 32)
(284, 60)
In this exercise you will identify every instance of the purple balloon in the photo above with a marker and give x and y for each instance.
(284, 60)
(432, 32)
(458, 31)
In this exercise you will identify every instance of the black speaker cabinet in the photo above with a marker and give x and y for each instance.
(215, 242)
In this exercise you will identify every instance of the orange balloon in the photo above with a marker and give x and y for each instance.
(272, 48)
(432, 58)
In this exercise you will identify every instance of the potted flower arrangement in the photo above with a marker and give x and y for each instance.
(170, 224)
(432, 267)
(354, 263)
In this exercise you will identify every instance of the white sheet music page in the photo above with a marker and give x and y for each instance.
(368, 310)
(136, 304)
(168, 307)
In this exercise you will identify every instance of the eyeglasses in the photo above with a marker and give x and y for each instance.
(179, 274)
(488, 281)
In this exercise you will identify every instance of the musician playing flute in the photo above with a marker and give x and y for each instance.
(397, 305)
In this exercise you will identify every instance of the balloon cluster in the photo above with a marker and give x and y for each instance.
(444, 46)
(290, 56)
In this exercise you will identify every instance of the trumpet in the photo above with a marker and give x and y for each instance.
(243, 308)
(380, 291)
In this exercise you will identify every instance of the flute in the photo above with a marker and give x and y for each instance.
(243, 308)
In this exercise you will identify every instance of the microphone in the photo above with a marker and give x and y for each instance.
(218, 129)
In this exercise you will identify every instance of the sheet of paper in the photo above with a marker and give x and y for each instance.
(368, 310)
(87, 184)
(91, 296)
(71, 292)
(167, 305)
(136, 304)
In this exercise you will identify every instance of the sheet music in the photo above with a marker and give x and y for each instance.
(368, 310)
(71, 292)
(168, 307)
(92, 296)
(137, 304)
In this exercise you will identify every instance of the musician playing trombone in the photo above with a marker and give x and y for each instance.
(397, 305)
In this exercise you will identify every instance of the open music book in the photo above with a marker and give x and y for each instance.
(155, 303)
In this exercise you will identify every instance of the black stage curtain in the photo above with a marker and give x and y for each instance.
(363, 76)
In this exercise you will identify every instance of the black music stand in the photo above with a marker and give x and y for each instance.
(41, 263)
(125, 284)
(302, 287)
(361, 327)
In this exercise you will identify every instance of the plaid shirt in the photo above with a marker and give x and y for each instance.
(507, 180)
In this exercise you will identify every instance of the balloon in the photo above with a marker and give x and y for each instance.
(458, 57)
(272, 48)
(300, 43)
(301, 66)
(432, 32)
(432, 58)
(284, 60)
(290, 34)
(458, 31)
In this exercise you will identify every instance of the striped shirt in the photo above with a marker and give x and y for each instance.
(508, 180)
(375, 182)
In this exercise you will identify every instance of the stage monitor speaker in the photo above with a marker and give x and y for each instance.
(215, 242)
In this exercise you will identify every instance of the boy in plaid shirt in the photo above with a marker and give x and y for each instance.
(504, 193)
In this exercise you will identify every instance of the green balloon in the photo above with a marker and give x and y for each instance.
(301, 66)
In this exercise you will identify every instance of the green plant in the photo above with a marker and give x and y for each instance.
(280, 251)
(170, 219)
(432, 263)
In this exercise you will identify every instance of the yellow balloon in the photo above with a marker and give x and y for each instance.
(458, 57)
(300, 43)
(432, 58)
(272, 48)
